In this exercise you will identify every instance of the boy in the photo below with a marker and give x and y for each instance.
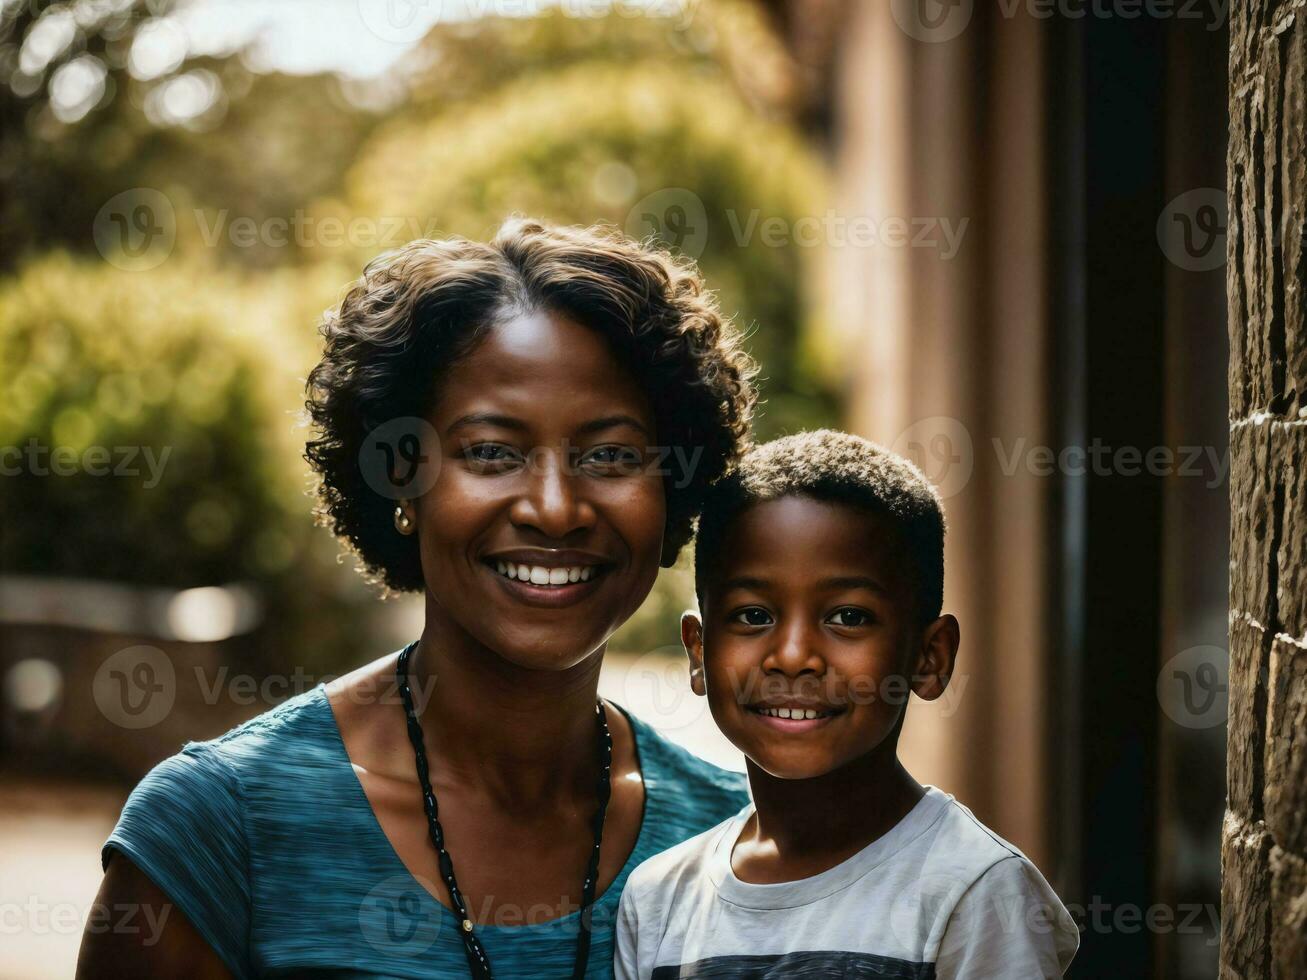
(819, 571)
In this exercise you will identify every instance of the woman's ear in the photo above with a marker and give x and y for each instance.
(938, 653)
(692, 640)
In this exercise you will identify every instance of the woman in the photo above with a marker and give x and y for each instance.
(572, 393)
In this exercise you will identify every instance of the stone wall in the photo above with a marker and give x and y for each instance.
(1264, 849)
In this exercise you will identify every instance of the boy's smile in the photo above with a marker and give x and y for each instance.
(809, 637)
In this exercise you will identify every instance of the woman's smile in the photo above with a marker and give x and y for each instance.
(549, 578)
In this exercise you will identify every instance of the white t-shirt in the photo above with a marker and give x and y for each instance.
(939, 896)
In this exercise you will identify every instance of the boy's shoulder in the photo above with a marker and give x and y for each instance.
(949, 848)
(960, 839)
(958, 855)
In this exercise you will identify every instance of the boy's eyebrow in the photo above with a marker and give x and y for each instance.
(834, 582)
(743, 582)
(852, 582)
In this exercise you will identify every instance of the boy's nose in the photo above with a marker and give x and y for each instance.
(797, 651)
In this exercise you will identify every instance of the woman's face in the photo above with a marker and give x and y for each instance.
(543, 531)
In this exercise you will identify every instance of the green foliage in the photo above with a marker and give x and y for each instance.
(593, 143)
(154, 366)
(462, 63)
(171, 398)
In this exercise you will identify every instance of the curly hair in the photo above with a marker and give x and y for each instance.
(416, 311)
(839, 468)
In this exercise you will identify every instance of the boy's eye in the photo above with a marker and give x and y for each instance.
(849, 616)
(752, 616)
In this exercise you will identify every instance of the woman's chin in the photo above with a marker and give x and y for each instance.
(552, 653)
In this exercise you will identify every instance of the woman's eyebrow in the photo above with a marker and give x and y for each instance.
(487, 418)
(612, 422)
(511, 422)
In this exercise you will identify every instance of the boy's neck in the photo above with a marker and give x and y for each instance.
(803, 827)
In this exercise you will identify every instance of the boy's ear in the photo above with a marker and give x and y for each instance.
(692, 640)
(939, 651)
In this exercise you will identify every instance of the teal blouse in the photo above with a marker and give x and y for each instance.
(235, 830)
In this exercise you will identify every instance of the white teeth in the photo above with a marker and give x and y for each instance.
(545, 574)
(797, 714)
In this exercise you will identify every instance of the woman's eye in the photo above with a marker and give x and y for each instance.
(623, 458)
(849, 616)
(752, 616)
(490, 455)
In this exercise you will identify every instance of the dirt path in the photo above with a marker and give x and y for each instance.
(50, 837)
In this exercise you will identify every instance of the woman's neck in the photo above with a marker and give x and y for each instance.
(524, 736)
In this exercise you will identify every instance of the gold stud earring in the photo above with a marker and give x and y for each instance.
(403, 523)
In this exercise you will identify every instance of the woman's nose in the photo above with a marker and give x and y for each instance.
(553, 501)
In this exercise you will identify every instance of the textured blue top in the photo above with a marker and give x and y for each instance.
(264, 838)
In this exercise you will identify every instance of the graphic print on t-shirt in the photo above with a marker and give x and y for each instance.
(939, 894)
(807, 965)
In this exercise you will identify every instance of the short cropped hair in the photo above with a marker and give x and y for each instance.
(416, 311)
(840, 468)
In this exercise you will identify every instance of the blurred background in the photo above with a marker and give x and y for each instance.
(991, 236)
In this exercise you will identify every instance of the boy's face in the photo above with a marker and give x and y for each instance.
(810, 613)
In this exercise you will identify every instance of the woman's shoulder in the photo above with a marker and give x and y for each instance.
(193, 823)
(206, 784)
(702, 794)
(302, 720)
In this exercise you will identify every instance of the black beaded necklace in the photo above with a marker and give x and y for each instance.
(476, 953)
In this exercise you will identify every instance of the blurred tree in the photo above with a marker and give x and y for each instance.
(462, 62)
(149, 436)
(64, 69)
(624, 144)
(97, 98)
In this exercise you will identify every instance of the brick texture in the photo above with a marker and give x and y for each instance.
(1264, 844)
